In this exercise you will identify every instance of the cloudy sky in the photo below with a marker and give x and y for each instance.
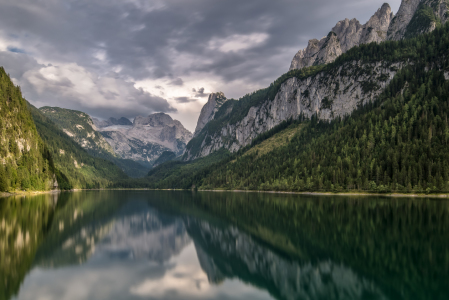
(114, 58)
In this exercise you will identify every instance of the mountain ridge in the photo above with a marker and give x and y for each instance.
(332, 85)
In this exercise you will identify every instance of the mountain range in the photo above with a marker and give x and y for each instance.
(314, 85)
(362, 111)
(376, 88)
(133, 146)
(146, 138)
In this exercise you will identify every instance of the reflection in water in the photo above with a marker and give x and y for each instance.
(179, 245)
(23, 223)
(227, 252)
(143, 233)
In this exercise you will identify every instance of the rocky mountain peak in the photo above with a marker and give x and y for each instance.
(345, 35)
(147, 137)
(418, 16)
(111, 122)
(215, 101)
(403, 17)
(154, 120)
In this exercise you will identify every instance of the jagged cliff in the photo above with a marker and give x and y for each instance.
(215, 101)
(147, 137)
(345, 35)
(414, 17)
(317, 83)
(328, 94)
(418, 16)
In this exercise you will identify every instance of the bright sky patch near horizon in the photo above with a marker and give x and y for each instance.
(135, 57)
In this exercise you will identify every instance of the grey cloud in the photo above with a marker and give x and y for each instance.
(15, 49)
(152, 42)
(184, 99)
(200, 93)
(177, 81)
(107, 96)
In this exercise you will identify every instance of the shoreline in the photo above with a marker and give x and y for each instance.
(396, 195)
(401, 195)
(27, 193)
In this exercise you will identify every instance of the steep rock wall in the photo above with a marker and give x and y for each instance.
(328, 94)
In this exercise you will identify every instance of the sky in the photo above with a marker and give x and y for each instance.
(124, 58)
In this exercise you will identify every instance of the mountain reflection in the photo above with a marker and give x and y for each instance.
(183, 245)
(144, 233)
(23, 225)
(228, 252)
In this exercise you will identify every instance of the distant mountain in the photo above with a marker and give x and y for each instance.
(76, 168)
(146, 138)
(80, 127)
(111, 122)
(25, 162)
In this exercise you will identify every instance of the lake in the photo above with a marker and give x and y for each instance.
(222, 245)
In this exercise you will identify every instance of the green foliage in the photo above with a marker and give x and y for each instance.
(25, 162)
(75, 167)
(165, 156)
(326, 103)
(397, 143)
(427, 48)
(24, 225)
(79, 126)
(176, 174)
(395, 242)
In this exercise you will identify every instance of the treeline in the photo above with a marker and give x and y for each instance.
(25, 162)
(398, 143)
(75, 167)
(431, 49)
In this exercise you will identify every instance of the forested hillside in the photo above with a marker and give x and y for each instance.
(25, 162)
(80, 128)
(332, 90)
(75, 167)
(396, 143)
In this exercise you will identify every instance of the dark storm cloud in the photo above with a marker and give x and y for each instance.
(249, 42)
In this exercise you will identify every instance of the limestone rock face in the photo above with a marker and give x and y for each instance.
(404, 16)
(413, 18)
(337, 91)
(111, 121)
(351, 33)
(327, 94)
(147, 137)
(215, 101)
(345, 35)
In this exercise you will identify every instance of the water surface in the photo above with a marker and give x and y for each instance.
(184, 245)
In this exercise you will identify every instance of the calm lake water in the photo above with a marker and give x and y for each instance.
(184, 245)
